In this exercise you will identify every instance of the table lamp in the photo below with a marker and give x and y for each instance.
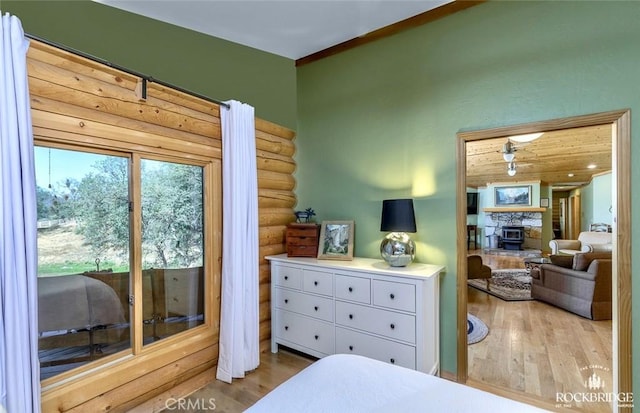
(397, 248)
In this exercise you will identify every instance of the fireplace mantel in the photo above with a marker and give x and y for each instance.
(515, 209)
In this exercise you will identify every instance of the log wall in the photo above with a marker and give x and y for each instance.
(76, 101)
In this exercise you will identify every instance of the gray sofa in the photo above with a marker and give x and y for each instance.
(580, 284)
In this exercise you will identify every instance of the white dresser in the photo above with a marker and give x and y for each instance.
(365, 307)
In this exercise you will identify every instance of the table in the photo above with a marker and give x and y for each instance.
(470, 229)
(533, 262)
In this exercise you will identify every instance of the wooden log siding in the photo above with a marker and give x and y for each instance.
(78, 101)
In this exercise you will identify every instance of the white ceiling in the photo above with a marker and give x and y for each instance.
(288, 28)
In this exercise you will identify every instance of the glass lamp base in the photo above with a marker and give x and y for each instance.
(397, 249)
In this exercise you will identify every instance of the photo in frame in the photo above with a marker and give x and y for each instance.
(513, 195)
(336, 240)
(544, 202)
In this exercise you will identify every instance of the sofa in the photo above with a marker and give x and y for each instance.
(580, 284)
(588, 241)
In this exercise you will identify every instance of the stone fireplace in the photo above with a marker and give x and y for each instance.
(523, 230)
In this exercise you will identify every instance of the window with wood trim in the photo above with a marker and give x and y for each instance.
(122, 252)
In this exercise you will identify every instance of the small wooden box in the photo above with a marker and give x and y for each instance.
(302, 240)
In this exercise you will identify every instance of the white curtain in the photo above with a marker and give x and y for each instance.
(239, 342)
(19, 366)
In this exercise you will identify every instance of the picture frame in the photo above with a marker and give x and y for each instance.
(336, 240)
(513, 195)
(544, 202)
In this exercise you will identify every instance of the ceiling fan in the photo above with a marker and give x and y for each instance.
(509, 152)
(509, 149)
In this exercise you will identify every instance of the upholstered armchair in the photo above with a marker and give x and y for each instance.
(476, 269)
(588, 241)
(580, 284)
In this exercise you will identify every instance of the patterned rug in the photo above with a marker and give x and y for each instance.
(477, 330)
(509, 285)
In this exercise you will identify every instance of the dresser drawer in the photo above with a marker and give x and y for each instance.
(353, 288)
(386, 323)
(311, 305)
(314, 334)
(317, 282)
(302, 241)
(303, 231)
(183, 292)
(290, 277)
(394, 295)
(353, 342)
(302, 250)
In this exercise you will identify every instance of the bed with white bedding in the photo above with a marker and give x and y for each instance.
(347, 383)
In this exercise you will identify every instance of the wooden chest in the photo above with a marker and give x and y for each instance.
(302, 240)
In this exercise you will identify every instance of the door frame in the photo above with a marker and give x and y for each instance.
(620, 120)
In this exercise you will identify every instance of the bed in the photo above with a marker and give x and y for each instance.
(75, 302)
(349, 383)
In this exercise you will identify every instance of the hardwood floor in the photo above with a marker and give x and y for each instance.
(218, 396)
(532, 352)
(538, 349)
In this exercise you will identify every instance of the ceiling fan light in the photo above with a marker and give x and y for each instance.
(511, 169)
(526, 138)
(508, 156)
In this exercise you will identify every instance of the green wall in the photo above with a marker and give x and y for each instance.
(380, 121)
(209, 66)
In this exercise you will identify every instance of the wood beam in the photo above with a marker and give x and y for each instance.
(415, 21)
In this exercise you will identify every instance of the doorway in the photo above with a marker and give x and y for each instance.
(619, 121)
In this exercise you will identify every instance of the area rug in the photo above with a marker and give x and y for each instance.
(509, 285)
(477, 330)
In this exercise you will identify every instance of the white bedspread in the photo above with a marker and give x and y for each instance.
(346, 383)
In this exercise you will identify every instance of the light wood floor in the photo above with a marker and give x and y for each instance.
(533, 350)
(538, 349)
(274, 369)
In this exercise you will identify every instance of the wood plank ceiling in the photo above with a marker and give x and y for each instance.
(558, 158)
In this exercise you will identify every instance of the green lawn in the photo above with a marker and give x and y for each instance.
(46, 270)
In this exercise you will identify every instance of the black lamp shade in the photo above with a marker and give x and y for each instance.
(398, 216)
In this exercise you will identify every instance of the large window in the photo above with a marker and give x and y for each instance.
(92, 257)
(172, 248)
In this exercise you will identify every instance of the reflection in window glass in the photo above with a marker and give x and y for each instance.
(172, 248)
(83, 257)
